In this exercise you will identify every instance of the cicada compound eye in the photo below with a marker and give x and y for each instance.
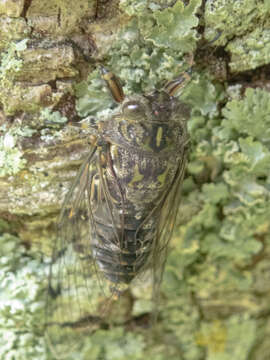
(133, 110)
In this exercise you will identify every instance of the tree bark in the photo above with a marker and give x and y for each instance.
(215, 298)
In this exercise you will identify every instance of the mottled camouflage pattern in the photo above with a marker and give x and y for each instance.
(142, 148)
(118, 216)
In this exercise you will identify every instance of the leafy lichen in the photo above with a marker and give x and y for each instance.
(234, 18)
(243, 27)
(20, 305)
(146, 52)
(215, 292)
(250, 51)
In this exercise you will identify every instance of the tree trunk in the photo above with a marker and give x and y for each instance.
(215, 294)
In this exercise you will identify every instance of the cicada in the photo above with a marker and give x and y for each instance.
(118, 217)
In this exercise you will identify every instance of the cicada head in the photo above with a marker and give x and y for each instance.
(152, 122)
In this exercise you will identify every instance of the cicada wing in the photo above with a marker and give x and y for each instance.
(160, 222)
(79, 295)
(168, 213)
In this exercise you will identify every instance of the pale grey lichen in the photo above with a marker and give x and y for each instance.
(11, 158)
(21, 308)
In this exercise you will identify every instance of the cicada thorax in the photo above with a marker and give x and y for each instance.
(142, 157)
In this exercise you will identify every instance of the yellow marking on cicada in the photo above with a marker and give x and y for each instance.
(71, 214)
(92, 191)
(123, 128)
(162, 177)
(114, 150)
(103, 160)
(84, 126)
(93, 140)
(137, 177)
(115, 157)
(159, 136)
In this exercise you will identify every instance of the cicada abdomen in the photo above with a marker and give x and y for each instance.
(118, 216)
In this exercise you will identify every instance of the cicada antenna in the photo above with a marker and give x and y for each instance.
(113, 84)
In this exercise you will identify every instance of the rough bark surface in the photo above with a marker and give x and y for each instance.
(215, 302)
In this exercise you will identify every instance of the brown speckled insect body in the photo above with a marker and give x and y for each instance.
(118, 216)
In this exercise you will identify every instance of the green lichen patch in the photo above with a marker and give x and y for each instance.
(20, 306)
(11, 62)
(227, 340)
(162, 34)
(115, 345)
(250, 51)
(202, 96)
(92, 95)
(172, 27)
(233, 209)
(147, 52)
(234, 18)
(180, 319)
(249, 117)
(11, 158)
(245, 24)
(12, 29)
(222, 243)
(52, 117)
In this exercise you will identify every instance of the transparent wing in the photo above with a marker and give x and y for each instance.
(79, 296)
(167, 212)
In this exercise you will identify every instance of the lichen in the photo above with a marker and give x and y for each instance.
(146, 52)
(52, 117)
(229, 339)
(234, 18)
(20, 304)
(250, 51)
(11, 62)
(11, 158)
(215, 292)
(243, 28)
(12, 29)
